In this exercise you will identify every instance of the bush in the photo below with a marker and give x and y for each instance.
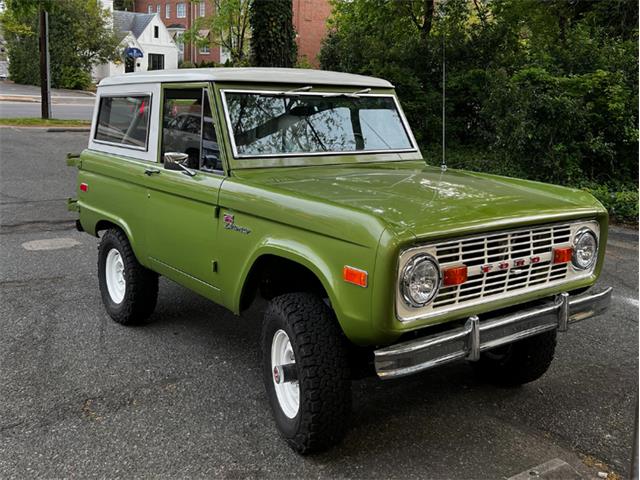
(621, 201)
(74, 78)
(541, 90)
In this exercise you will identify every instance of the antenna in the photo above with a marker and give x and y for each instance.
(443, 164)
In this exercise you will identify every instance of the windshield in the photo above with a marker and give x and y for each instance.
(263, 124)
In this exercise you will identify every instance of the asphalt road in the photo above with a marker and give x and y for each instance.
(64, 111)
(81, 396)
(66, 104)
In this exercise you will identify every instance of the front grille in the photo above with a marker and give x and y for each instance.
(502, 248)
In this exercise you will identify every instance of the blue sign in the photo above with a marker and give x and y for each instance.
(133, 52)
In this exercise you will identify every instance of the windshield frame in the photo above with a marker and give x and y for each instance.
(256, 91)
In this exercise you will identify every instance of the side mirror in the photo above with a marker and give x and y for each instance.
(173, 161)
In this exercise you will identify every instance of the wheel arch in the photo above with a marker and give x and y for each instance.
(107, 223)
(308, 266)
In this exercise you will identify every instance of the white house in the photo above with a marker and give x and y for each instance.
(146, 44)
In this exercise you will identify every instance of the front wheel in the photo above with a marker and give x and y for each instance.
(306, 371)
(520, 362)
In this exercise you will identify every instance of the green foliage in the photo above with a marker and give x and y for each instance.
(273, 42)
(542, 90)
(228, 28)
(621, 202)
(79, 37)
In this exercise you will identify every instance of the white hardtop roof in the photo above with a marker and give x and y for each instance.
(249, 75)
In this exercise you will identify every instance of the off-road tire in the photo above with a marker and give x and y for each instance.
(321, 357)
(520, 362)
(141, 290)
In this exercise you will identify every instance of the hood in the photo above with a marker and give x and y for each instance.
(424, 201)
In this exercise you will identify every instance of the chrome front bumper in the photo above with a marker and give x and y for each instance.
(468, 341)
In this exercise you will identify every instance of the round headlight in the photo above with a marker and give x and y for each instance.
(585, 249)
(420, 280)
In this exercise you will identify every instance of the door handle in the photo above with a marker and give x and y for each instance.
(151, 171)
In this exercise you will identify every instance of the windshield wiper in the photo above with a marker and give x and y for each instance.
(355, 94)
(287, 92)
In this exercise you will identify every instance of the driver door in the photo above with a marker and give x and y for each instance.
(182, 215)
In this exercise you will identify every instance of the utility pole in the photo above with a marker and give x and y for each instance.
(45, 82)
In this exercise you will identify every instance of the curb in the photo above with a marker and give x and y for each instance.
(68, 129)
(48, 129)
(15, 98)
(36, 98)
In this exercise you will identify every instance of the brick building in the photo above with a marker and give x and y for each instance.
(309, 20)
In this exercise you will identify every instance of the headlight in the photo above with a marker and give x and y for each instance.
(420, 280)
(585, 249)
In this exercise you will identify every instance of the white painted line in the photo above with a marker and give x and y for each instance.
(626, 246)
(632, 301)
(553, 469)
(50, 244)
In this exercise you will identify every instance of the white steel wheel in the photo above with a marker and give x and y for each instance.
(288, 393)
(114, 275)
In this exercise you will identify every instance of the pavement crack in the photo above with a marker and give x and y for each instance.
(36, 226)
(18, 201)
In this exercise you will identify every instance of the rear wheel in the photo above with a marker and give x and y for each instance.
(519, 362)
(306, 372)
(129, 291)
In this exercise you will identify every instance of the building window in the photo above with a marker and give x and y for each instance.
(156, 61)
(167, 10)
(124, 120)
(179, 41)
(202, 8)
(205, 50)
(149, 9)
(181, 10)
(156, 31)
(225, 55)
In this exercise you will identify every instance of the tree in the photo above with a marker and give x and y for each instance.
(273, 41)
(79, 37)
(228, 28)
(542, 90)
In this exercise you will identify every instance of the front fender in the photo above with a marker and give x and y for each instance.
(351, 303)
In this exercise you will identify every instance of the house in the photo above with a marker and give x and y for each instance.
(309, 20)
(178, 16)
(145, 42)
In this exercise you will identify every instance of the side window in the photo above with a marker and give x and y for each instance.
(124, 120)
(187, 127)
(210, 152)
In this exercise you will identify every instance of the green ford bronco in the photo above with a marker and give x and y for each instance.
(307, 188)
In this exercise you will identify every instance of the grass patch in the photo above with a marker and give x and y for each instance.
(39, 122)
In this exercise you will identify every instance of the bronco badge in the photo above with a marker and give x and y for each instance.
(229, 224)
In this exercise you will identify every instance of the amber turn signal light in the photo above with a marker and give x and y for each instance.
(562, 255)
(454, 276)
(355, 276)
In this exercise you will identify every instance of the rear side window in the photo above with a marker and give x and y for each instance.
(124, 120)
